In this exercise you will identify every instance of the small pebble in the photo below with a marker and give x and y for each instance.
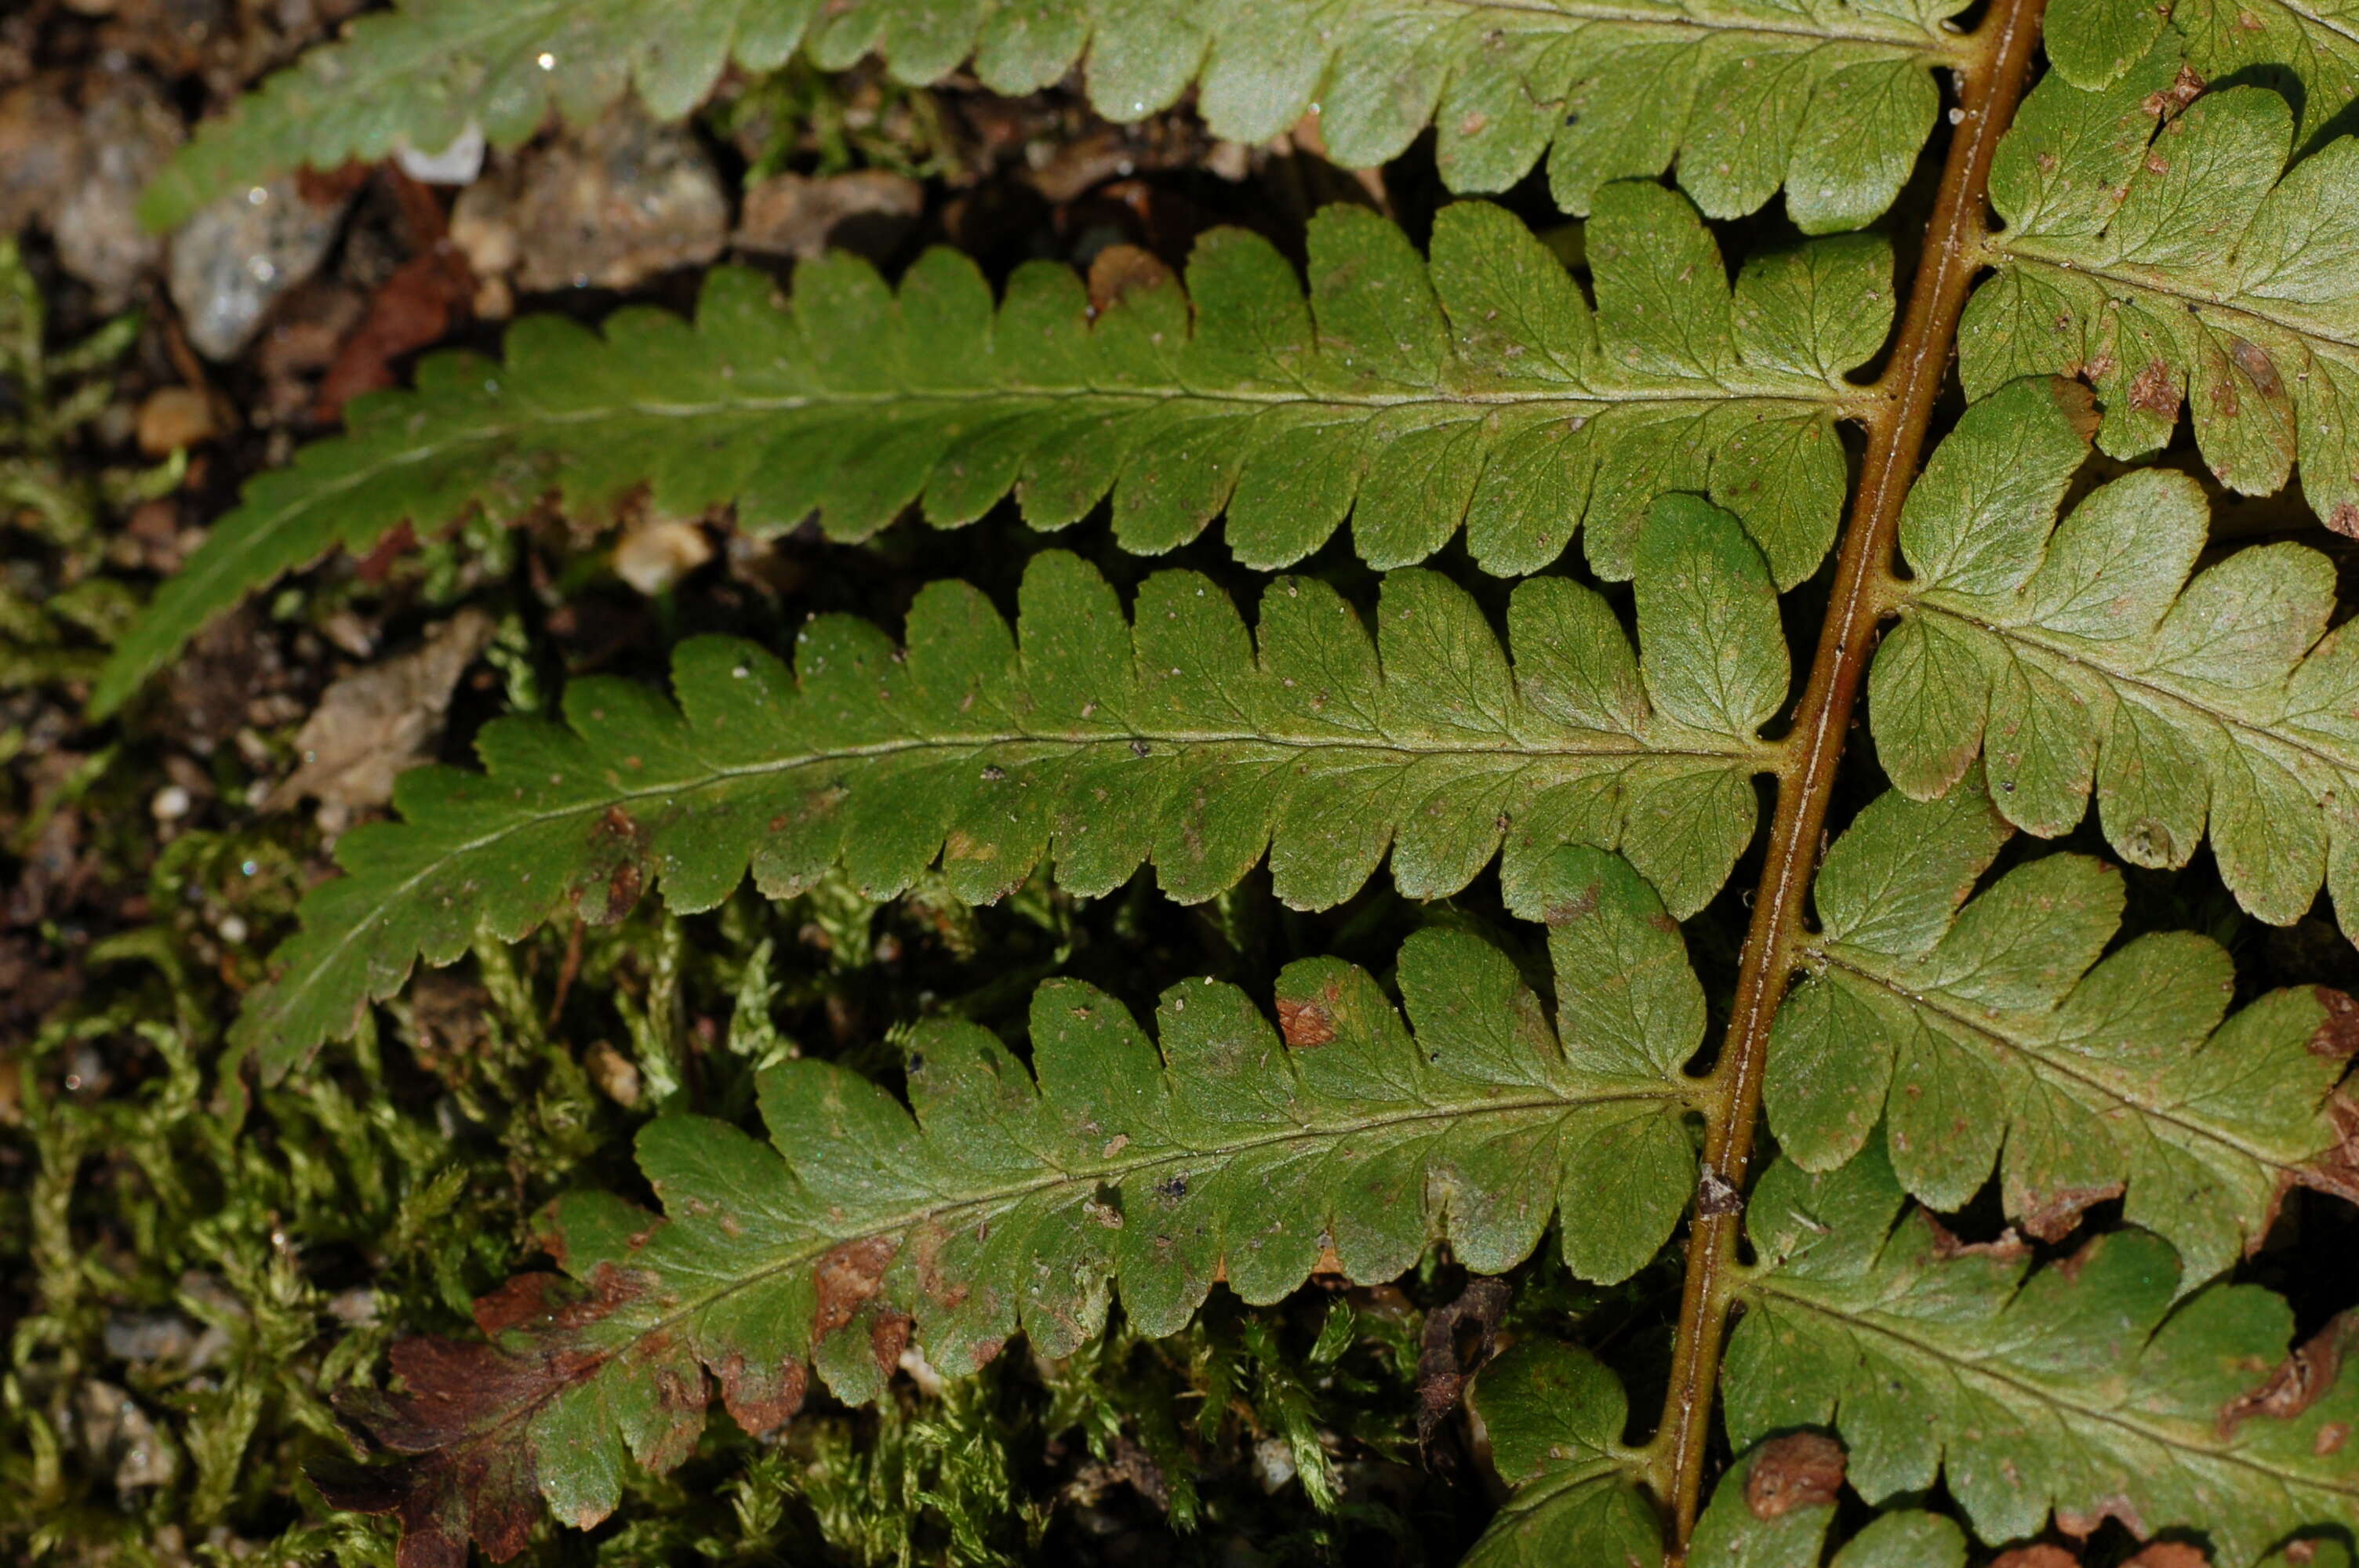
(173, 417)
(654, 555)
(171, 804)
(616, 1076)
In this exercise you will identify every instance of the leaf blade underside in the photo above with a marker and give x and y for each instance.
(2084, 659)
(1018, 1199)
(1100, 741)
(1990, 1034)
(1480, 391)
(2087, 1389)
(2175, 257)
(1602, 92)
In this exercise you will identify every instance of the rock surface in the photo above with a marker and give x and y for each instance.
(606, 208)
(869, 212)
(236, 257)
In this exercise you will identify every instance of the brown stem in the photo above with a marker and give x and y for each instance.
(1991, 85)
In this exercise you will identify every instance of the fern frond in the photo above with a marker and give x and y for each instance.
(1017, 1200)
(2083, 656)
(1977, 1029)
(1482, 391)
(1829, 99)
(1099, 744)
(2087, 1389)
(2178, 260)
(1554, 1416)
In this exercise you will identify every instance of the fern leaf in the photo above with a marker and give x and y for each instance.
(1018, 1200)
(1554, 1416)
(1831, 101)
(2092, 43)
(1994, 1027)
(2082, 657)
(1481, 391)
(2178, 260)
(2087, 1389)
(1100, 745)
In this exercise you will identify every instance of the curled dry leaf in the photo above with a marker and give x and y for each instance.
(1443, 1362)
(371, 726)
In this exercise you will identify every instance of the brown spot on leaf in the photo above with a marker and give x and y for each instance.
(1458, 1339)
(2337, 1036)
(986, 1351)
(2169, 1554)
(2006, 1248)
(762, 1400)
(850, 1273)
(2299, 1382)
(2331, 1438)
(2079, 406)
(889, 1336)
(622, 889)
(1304, 1024)
(2345, 519)
(2155, 391)
(1800, 1470)
(2166, 103)
(2256, 364)
(2050, 1217)
(2042, 1555)
(2081, 1525)
(1565, 911)
(2335, 1171)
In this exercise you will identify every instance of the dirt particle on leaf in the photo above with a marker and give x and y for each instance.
(1304, 1024)
(850, 1273)
(1800, 1470)
(2345, 519)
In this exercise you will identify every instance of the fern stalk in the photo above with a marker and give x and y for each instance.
(1897, 415)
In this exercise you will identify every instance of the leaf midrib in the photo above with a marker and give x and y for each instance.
(1939, 1003)
(619, 797)
(1765, 1285)
(944, 1212)
(195, 585)
(2028, 250)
